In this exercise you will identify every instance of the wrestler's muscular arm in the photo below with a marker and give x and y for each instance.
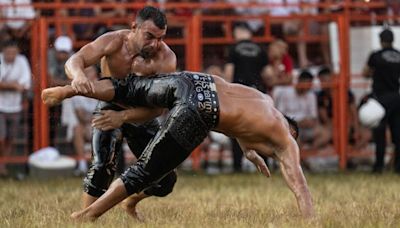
(289, 159)
(112, 119)
(88, 55)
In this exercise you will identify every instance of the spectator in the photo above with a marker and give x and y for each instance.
(279, 70)
(300, 103)
(19, 24)
(15, 79)
(79, 121)
(246, 61)
(384, 68)
(57, 56)
(325, 114)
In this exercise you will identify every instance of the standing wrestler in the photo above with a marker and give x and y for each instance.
(198, 103)
(140, 50)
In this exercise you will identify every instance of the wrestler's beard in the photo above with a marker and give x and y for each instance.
(147, 53)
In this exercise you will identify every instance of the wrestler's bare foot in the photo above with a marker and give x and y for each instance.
(54, 96)
(129, 206)
(82, 216)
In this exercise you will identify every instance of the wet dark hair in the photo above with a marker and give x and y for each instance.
(153, 14)
(324, 71)
(294, 127)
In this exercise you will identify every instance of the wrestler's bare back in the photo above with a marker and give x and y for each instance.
(262, 131)
(122, 62)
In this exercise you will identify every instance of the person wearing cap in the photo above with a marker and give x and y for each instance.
(384, 68)
(57, 57)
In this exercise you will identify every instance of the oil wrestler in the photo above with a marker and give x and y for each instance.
(197, 103)
(139, 50)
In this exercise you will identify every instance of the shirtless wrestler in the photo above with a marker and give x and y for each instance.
(140, 50)
(197, 103)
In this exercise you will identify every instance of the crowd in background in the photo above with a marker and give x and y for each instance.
(286, 71)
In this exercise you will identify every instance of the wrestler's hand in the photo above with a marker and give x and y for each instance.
(107, 120)
(258, 161)
(81, 84)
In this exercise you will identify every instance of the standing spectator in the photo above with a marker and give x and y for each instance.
(15, 79)
(384, 68)
(246, 61)
(300, 103)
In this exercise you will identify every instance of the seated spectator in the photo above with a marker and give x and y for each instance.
(300, 103)
(15, 79)
(77, 114)
(57, 57)
(357, 137)
(279, 70)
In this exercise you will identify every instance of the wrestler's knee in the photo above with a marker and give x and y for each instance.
(106, 146)
(164, 186)
(97, 180)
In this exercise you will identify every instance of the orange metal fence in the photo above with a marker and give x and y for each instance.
(193, 43)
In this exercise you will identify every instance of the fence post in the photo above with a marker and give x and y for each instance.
(343, 85)
(44, 112)
(35, 84)
(195, 50)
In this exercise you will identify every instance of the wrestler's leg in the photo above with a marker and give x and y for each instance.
(104, 90)
(181, 133)
(106, 146)
(137, 137)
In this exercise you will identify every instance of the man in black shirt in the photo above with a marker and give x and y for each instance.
(246, 61)
(384, 67)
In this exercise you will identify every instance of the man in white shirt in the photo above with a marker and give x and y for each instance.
(299, 102)
(15, 79)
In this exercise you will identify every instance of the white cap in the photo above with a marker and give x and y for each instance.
(371, 113)
(63, 43)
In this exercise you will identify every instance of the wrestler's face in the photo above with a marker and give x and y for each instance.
(149, 38)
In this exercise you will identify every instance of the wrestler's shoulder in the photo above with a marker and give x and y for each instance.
(115, 36)
(166, 50)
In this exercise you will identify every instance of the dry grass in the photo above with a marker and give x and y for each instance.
(341, 200)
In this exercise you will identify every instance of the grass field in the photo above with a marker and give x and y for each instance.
(341, 200)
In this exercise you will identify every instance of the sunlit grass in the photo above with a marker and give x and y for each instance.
(341, 200)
